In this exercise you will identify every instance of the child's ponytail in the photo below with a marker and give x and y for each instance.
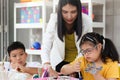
(109, 51)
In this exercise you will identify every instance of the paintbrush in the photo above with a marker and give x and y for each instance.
(3, 61)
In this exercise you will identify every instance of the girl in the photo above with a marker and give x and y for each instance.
(99, 61)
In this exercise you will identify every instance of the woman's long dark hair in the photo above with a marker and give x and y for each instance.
(108, 51)
(77, 23)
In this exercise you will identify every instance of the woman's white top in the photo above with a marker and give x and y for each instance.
(53, 49)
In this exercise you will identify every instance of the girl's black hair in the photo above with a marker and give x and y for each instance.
(14, 46)
(78, 22)
(108, 51)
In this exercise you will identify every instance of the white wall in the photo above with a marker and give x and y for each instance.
(113, 21)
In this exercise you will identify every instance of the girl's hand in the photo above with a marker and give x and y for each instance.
(76, 67)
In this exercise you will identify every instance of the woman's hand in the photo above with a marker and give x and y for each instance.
(51, 71)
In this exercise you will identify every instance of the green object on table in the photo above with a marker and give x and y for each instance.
(35, 76)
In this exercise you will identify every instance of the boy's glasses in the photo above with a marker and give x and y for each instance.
(88, 51)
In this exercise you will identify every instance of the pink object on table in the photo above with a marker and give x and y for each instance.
(59, 78)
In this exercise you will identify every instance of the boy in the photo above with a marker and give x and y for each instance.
(17, 58)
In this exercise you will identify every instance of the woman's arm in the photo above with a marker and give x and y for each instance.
(48, 43)
(48, 39)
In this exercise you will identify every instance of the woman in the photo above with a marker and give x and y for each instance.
(63, 33)
(99, 61)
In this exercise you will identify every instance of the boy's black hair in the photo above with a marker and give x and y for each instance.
(14, 46)
(78, 22)
(108, 50)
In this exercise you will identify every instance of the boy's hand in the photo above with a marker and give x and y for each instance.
(21, 68)
(18, 67)
(14, 65)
